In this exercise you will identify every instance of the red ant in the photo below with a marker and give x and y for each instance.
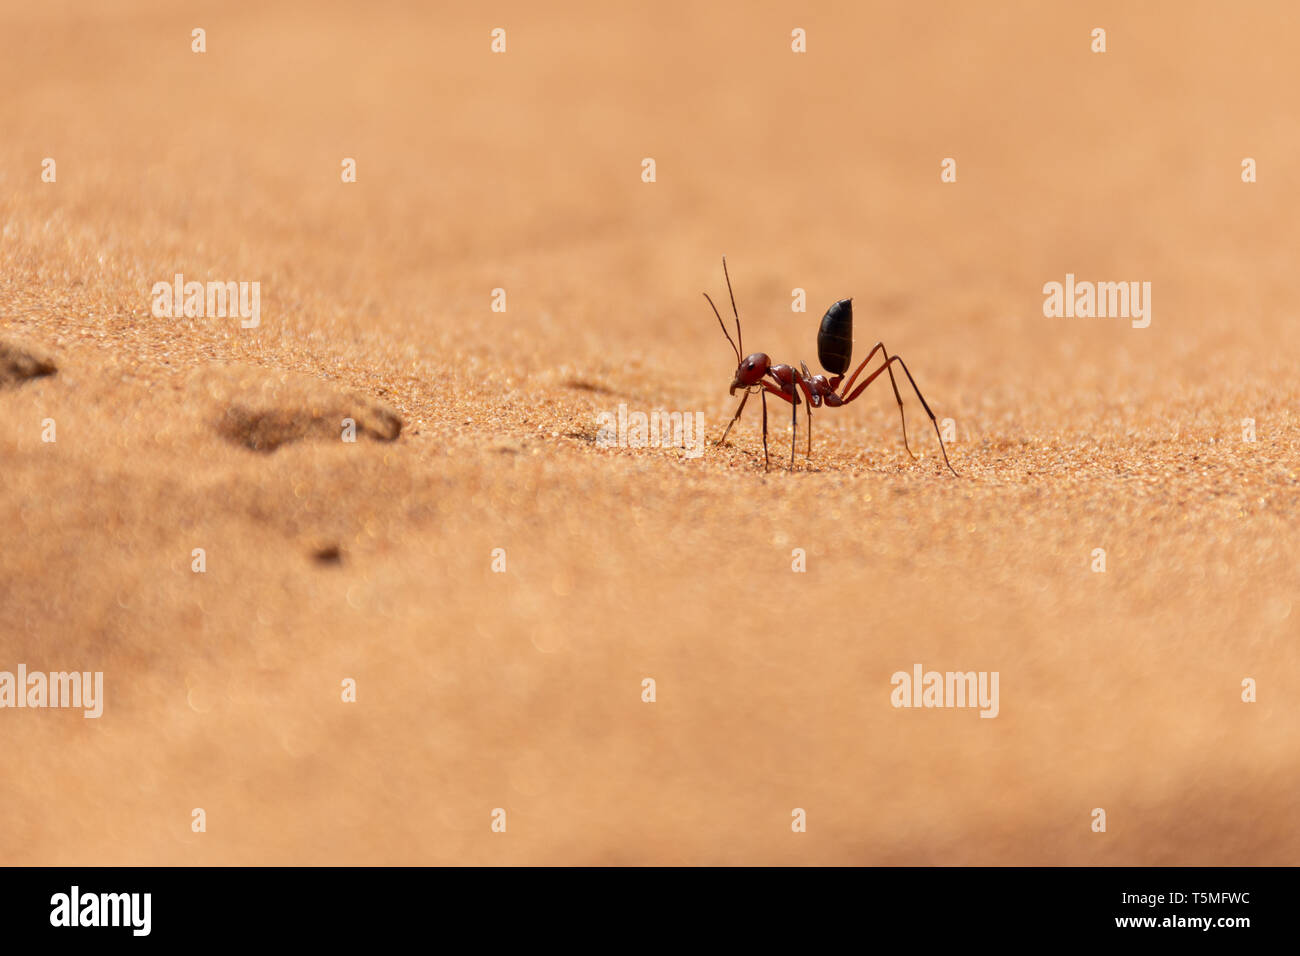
(834, 350)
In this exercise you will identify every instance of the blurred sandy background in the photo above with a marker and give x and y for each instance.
(522, 690)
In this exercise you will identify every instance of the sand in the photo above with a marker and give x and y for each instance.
(371, 561)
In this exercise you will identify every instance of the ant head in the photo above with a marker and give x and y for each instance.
(750, 371)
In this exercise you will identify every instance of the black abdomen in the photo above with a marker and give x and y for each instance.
(835, 338)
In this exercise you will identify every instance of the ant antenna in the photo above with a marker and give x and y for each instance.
(739, 337)
(724, 328)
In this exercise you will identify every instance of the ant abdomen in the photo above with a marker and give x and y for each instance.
(835, 338)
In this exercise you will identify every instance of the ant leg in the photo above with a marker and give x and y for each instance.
(794, 425)
(735, 417)
(924, 404)
(808, 409)
(765, 461)
(792, 397)
(880, 347)
(809, 397)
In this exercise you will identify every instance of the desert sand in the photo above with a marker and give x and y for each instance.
(372, 561)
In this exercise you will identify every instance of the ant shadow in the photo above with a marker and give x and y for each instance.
(583, 385)
(777, 463)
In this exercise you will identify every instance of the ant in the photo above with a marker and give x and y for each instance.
(834, 350)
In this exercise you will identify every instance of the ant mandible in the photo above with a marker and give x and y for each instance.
(834, 350)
